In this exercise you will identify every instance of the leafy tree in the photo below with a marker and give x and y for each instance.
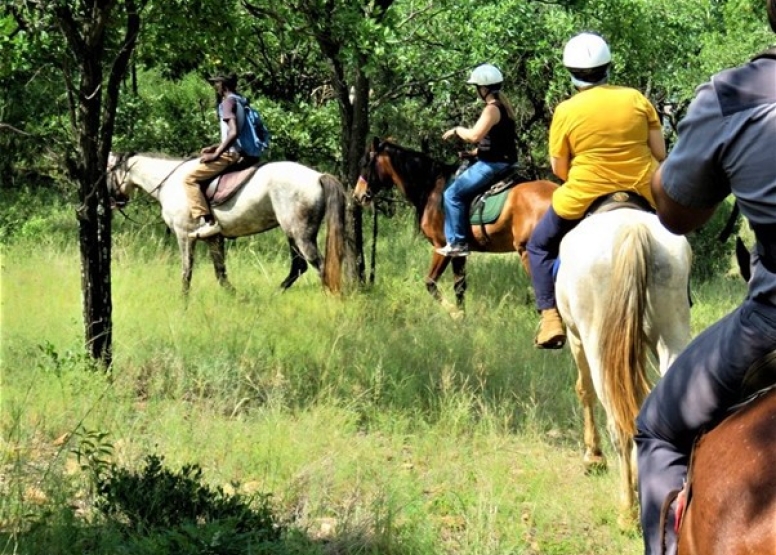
(84, 39)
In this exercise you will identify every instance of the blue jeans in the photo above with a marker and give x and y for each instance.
(460, 193)
(703, 382)
(543, 247)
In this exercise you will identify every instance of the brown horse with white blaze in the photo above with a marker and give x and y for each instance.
(422, 182)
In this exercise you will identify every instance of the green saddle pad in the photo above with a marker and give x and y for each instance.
(479, 215)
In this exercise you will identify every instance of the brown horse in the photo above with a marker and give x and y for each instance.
(732, 481)
(422, 181)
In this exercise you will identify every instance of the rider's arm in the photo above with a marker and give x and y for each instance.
(675, 217)
(692, 182)
(231, 136)
(560, 147)
(490, 116)
(657, 144)
(560, 166)
(228, 111)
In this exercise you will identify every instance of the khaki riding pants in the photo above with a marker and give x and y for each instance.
(192, 183)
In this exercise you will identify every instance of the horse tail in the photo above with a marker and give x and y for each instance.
(333, 257)
(623, 346)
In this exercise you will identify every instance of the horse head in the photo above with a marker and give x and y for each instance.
(120, 187)
(375, 173)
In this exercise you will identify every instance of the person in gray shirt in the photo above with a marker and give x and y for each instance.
(725, 146)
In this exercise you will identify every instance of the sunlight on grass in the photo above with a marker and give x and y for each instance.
(373, 419)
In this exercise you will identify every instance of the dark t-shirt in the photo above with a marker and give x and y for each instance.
(499, 144)
(726, 145)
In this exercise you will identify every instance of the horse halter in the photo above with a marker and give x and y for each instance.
(370, 177)
(119, 199)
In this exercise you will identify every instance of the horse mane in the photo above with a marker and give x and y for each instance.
(156, 155)
(419, 172)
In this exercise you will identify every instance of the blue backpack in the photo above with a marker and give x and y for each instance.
(254, 137)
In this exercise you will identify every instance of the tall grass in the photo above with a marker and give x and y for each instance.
(377, 422)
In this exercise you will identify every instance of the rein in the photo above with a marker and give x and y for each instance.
(166, 177)
(121, 211)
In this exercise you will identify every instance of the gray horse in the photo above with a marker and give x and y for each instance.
(285, 194)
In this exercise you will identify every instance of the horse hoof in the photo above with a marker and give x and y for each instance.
(627, 521)
(457, 314)
(554, 343)
(595, 464)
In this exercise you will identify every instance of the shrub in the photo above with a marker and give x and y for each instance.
(174, 509)
(712, 257)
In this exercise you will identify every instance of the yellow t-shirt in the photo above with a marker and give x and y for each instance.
(603, 131)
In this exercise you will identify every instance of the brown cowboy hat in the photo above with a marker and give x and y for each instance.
(230, 79)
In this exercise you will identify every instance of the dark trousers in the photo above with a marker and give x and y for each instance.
(543, 247)
(704, 381)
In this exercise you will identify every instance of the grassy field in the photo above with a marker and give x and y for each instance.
(376, 422)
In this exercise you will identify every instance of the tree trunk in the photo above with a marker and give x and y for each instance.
(93, 114)
(357, 128)
(95, 216)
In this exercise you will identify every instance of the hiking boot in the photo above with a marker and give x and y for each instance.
(205, 229)
(551, 334)
(453, 251)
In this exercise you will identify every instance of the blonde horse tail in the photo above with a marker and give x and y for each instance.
(333, 257)
(623, 345)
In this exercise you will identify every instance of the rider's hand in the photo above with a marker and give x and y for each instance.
(449, 133)
(208, 158)
(208, 150)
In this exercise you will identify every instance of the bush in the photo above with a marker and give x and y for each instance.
(712, 257)
(173, 509)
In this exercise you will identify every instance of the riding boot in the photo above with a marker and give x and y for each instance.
(551, 334)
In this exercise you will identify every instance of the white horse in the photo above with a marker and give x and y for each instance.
(285, 194)
(622, 290)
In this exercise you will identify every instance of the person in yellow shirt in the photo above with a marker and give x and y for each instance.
(603, 139)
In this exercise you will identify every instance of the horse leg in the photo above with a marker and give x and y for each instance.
(186, 247)
(626, 455)
(298, 266)
(438, 266)
(459, 280)
(593, 459)
(523, 252)
(218, 255)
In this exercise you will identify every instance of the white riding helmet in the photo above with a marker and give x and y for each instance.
(586, 51)
(486, 75)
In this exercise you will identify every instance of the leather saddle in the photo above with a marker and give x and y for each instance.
(223, 186)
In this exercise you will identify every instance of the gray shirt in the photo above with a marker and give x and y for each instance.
(231, 107)
(727, 144)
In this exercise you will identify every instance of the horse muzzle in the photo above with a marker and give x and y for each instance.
(361, 192)
(119, 201)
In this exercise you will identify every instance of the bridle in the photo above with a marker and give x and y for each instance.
(120, 200)
(375, 183)
(121, 163)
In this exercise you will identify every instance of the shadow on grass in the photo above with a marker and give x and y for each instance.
(61, 533)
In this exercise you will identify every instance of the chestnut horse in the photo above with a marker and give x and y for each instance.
(422, 181)
(732, 483)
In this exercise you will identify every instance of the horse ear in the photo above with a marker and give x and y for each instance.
(375, 144)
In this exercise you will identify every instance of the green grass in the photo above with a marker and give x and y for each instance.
(377, 422)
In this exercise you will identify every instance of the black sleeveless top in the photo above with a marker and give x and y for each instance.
(499, 144)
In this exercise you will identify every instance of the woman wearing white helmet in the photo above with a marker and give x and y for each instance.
(494, 134)
(603, 139)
